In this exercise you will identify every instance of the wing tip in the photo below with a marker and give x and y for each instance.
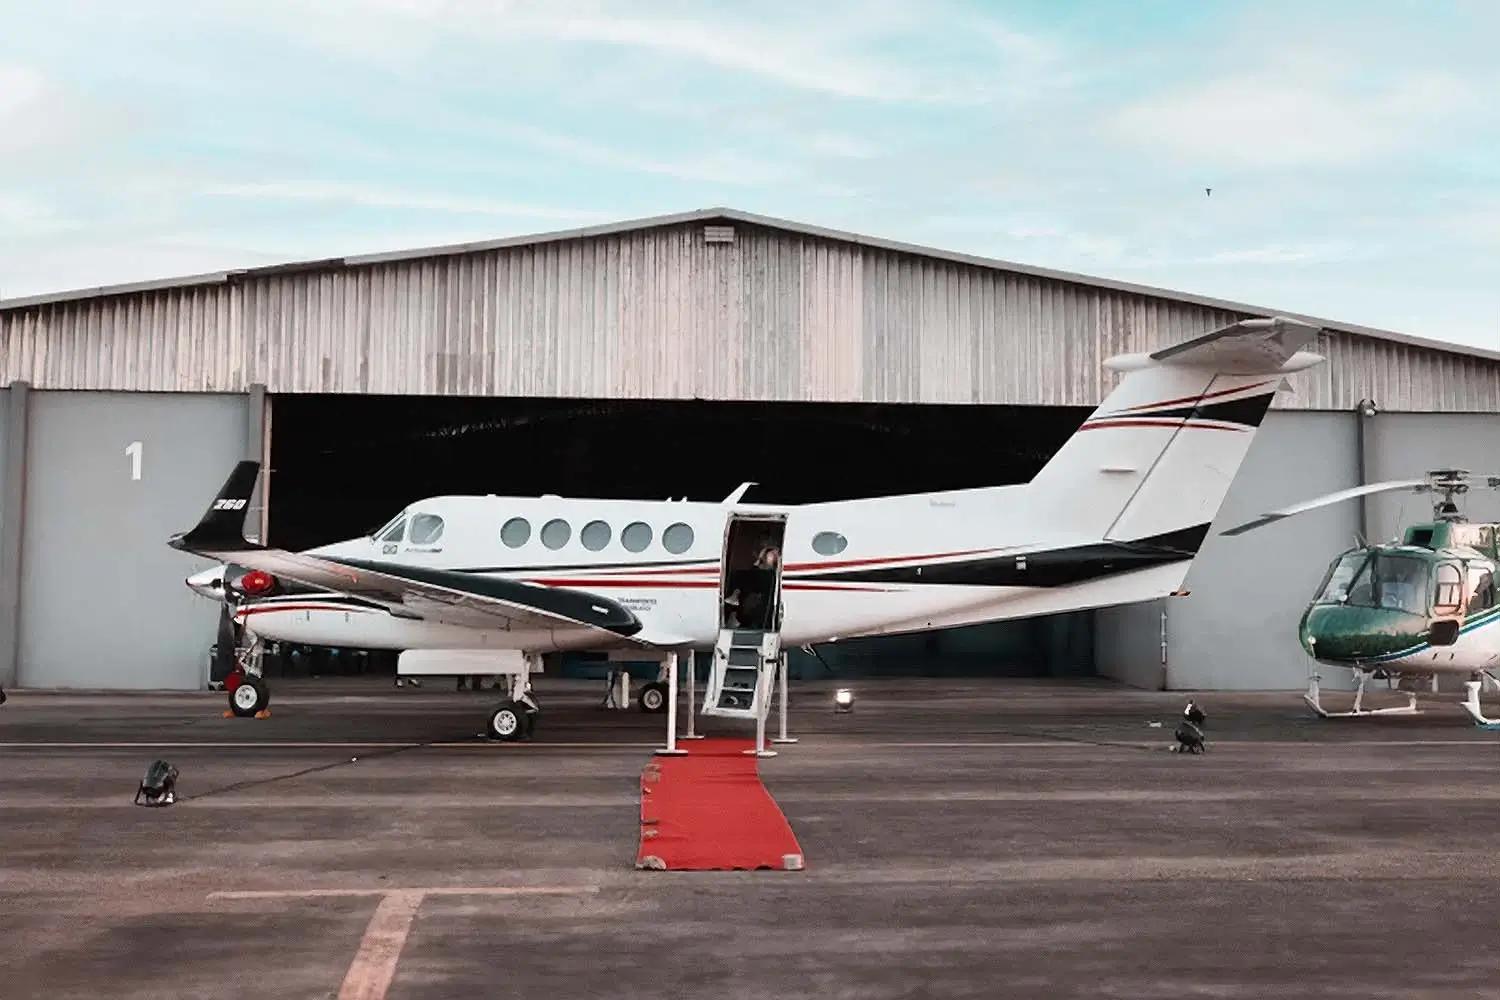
(222, 526)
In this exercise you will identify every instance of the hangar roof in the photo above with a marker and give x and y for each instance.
(708, 215)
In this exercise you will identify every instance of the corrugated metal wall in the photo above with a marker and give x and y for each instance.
(660, 313)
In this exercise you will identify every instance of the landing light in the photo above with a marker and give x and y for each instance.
(843, 700)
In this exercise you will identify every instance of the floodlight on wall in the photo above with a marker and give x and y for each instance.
(1367, 408)
(843, 700)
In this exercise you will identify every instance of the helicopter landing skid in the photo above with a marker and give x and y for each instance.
(1315, 703)
(1471, 704)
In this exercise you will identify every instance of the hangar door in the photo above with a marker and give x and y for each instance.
(109, 478)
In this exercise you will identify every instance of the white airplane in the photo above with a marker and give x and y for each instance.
(487, 584)
(1412, 610)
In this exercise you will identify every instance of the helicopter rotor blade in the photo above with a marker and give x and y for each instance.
(1271, 517)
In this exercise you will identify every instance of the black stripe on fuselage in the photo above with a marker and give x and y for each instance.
(684, 564)
(1248, 412)
(1045, 568)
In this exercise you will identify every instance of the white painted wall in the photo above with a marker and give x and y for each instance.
(1237, 628)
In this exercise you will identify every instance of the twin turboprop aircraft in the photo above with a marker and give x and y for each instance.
(1417, 609)
(486, 584)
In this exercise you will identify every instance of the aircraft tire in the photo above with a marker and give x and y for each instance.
(653, 698)
(508, 722)
(249, 696)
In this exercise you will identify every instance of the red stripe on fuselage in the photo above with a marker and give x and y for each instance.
(1192, 399)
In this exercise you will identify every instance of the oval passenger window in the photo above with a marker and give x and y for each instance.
(636, 537)
(594, 536)
(555, 533)
(829, 543)
(516, 532)
(677, 539)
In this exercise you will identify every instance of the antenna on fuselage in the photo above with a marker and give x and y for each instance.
(739, 492)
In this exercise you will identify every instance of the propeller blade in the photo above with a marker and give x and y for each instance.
(1415, 485)
(224, 659)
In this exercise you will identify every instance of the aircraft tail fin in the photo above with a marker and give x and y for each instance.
(222, 527)
(1154, 462)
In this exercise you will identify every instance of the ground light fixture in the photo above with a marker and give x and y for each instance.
(159, 786)
(843, 700)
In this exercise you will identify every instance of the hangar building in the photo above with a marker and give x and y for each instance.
(669, 356)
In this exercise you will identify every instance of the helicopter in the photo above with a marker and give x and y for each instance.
(1412, 610)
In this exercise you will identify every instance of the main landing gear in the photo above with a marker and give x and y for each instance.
(514, 719)
(249, 695)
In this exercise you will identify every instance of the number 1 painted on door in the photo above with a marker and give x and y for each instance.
(133, 451)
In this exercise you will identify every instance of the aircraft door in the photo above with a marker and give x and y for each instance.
(749, 645)
(750, 578)
(1447, 604)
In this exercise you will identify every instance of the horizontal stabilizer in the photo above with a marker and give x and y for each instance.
(1249, 347)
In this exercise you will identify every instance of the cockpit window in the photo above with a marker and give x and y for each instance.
(394, 530)
(426, 529)
(1372, 579)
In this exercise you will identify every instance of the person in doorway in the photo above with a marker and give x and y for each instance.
(749, 600)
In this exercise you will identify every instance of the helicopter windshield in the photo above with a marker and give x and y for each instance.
(1374, 579)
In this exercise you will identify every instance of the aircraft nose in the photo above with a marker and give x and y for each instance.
(1341, 634)
(208, 583)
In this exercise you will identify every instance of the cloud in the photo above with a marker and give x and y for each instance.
(843, 146)
(1292, 253)
(718, 167)
(1301, 113)
(866, 51)
(37, 116)
(372, 196)
(21, 215)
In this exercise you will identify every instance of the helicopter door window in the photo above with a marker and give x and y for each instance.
(1482, 586)
(1400, 584)
(1448, 597)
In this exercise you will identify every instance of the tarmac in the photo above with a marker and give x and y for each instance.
(962, 839)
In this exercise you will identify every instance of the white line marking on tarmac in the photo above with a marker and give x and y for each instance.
(374, 966)
(494, 890)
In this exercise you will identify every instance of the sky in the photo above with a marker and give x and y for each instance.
(1335, 158)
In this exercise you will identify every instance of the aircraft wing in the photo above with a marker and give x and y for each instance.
(456, 598)
(1324, 501)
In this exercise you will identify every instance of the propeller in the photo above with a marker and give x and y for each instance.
(1445, 483)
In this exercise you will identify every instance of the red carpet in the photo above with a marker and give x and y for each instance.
(708, 811)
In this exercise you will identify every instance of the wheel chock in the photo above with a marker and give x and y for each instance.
(226, 714)
(264, 713)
